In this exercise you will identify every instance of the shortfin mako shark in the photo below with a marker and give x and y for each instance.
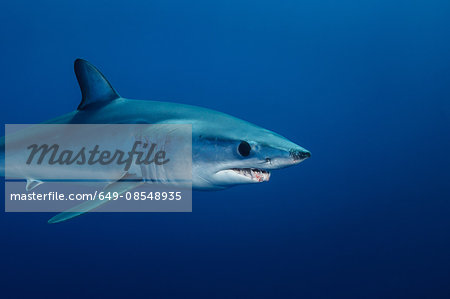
(226, 151)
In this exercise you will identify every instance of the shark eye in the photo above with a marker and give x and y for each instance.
(244, 149)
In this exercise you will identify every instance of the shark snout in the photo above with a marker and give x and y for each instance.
(299, 154)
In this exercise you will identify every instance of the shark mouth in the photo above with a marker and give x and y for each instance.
(257, 175)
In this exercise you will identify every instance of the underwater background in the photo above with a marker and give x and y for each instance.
(363, 85)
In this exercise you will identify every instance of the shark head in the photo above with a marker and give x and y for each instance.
(241, 153)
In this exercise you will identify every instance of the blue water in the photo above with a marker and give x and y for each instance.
(363, 85)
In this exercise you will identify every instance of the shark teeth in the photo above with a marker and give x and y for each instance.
(255, 174)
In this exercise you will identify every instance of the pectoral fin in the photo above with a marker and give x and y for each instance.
(31, 184)
(120, 187)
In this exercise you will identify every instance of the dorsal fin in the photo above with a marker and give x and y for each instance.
(95, 88)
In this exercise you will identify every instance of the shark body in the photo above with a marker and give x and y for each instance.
(226, 151)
